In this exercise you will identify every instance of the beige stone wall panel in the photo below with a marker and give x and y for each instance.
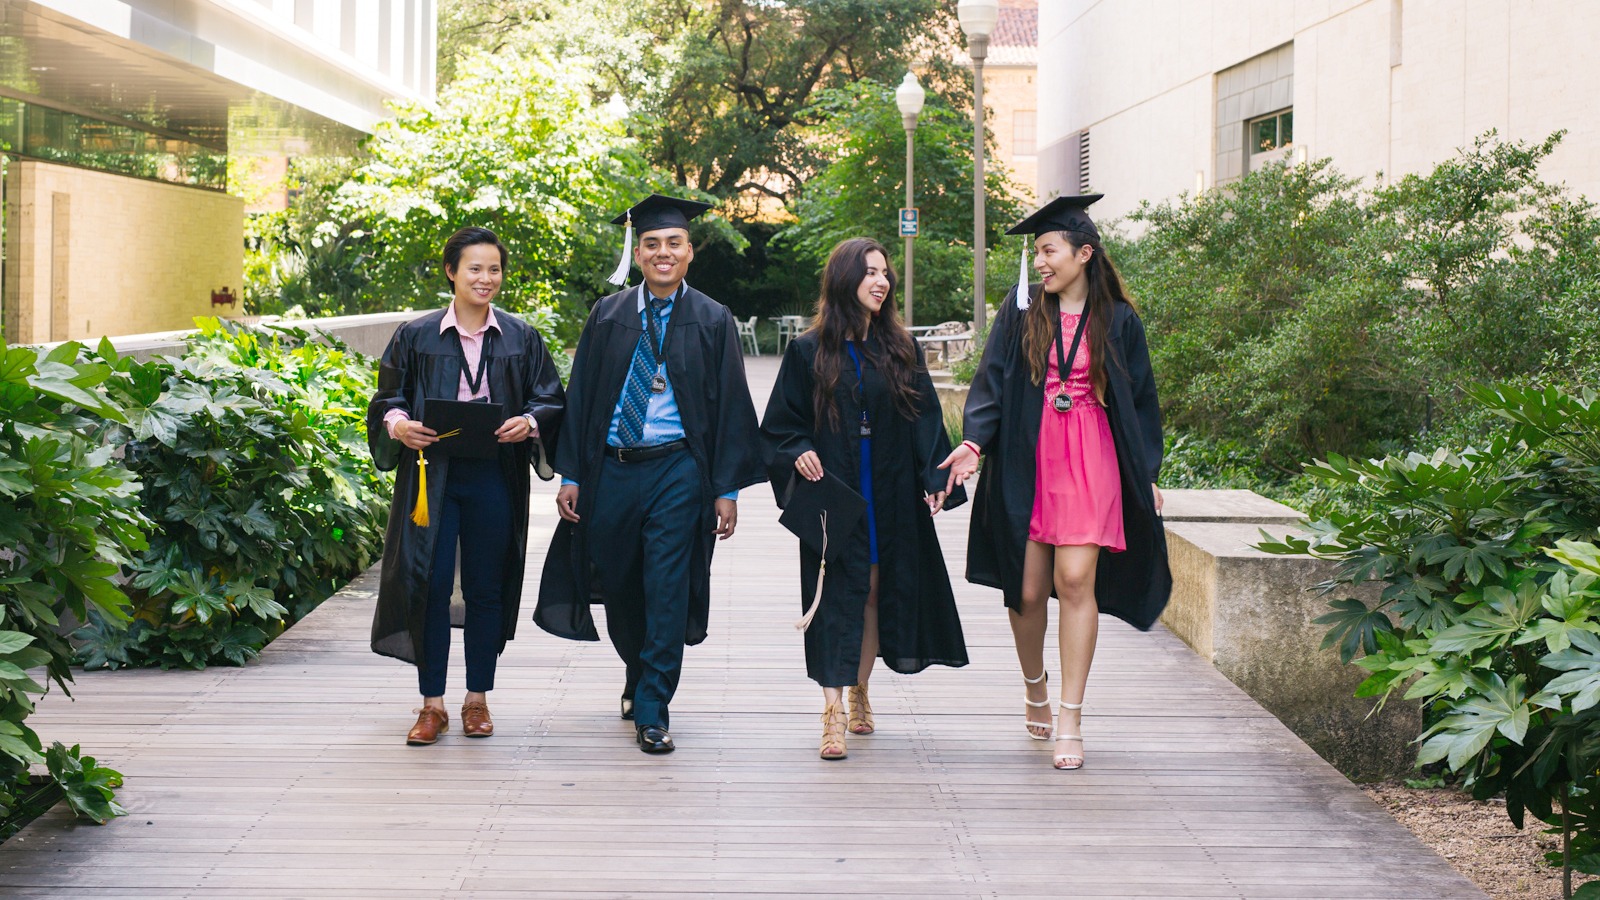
(92, 253)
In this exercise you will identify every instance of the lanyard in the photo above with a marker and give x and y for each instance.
(475, 379)
(1062, 368)
(658, 339)
(861, 390)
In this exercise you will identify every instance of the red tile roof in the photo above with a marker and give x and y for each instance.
(1018, 26)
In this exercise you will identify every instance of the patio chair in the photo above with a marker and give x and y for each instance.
(747, 334)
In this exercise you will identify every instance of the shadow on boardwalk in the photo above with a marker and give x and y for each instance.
(291, 777)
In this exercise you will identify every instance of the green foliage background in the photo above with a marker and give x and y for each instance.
(261, 496)
(1489, 614)
(69, 520)
(1300, 314)
(556, 114)
(861, 191)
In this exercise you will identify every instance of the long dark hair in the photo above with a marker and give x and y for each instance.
(840, 317)
(1106, 290)
(463, 239)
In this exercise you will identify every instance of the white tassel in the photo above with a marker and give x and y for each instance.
(822, 575)
(620, 276)
(1022, 279)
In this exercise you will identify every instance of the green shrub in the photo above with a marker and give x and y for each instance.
(253, 457)
(69, 517)
(1490, 610)
(1300, 314)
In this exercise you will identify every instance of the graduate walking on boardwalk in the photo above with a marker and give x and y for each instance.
(463, 487)
(1063, 407)
(660, 436)
(854, 424)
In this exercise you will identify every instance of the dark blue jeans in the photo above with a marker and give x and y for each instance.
(477, 515)
(642, 538)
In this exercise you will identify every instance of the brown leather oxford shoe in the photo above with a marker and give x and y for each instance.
(475, 721)
(431, 722)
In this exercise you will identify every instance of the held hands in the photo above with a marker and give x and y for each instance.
(962, 462)
(515, 430)
(414, 434)
(727, 517)
(809, 466)
(567, 502)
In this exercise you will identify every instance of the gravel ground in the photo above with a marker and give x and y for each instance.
(1478, 839)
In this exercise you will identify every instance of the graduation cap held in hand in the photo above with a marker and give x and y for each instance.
(822, 514)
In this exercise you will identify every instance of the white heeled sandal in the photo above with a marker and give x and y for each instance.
(1062, 758)
(1029, 724)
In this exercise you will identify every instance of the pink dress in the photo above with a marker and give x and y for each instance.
(1077, 492)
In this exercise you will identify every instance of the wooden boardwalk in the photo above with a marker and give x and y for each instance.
(290, 777)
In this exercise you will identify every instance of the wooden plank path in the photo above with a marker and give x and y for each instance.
(290, 777)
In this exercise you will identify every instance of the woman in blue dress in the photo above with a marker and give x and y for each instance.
(853, 398)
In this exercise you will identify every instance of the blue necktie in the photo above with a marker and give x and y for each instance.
(636, 393)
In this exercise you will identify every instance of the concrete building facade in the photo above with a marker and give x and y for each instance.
(1010, 86)
(1146, 99)
(117, 121)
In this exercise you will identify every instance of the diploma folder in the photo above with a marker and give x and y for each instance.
(805, 501)
(465, 428)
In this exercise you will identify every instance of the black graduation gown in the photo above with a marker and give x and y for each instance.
(706, 368)
(1002, 417)
(421, 363)
(917, 621)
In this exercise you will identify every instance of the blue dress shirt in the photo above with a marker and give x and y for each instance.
(662, 421)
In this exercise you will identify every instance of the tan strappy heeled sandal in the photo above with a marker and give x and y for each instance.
(860, 710)
(833, 732)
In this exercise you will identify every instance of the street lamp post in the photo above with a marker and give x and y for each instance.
(909, 96)
(978, 18)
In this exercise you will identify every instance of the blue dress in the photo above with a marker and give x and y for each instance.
(866, 459)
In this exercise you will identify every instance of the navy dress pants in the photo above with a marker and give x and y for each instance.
(642, 535)
(477, 515)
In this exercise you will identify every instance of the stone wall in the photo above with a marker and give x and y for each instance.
(91, 253)
(1250, 613)
(367, 334)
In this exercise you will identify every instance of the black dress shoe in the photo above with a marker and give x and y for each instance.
(627, 708)
(654, 739)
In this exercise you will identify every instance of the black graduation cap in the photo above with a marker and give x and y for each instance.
(1060, 214)
(823, 514)
(653, 213)
(804, 503)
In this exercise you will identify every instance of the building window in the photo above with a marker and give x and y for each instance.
(1270, 133)
(1024, 136)
(1269, 138)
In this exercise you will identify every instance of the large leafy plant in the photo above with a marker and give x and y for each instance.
(1490, 611)
(256, 478)
(69, 517)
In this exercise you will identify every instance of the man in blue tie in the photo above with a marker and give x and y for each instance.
(660, 435)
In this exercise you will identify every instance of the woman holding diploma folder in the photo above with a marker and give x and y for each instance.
(854, 417)
(462, 479)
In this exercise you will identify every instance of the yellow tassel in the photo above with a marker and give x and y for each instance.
(419, 514)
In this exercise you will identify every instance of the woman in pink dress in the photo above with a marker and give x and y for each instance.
(1063, 408)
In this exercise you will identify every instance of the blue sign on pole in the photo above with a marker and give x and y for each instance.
(908, 222)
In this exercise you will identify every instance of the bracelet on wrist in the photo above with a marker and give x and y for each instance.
(975, 450)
